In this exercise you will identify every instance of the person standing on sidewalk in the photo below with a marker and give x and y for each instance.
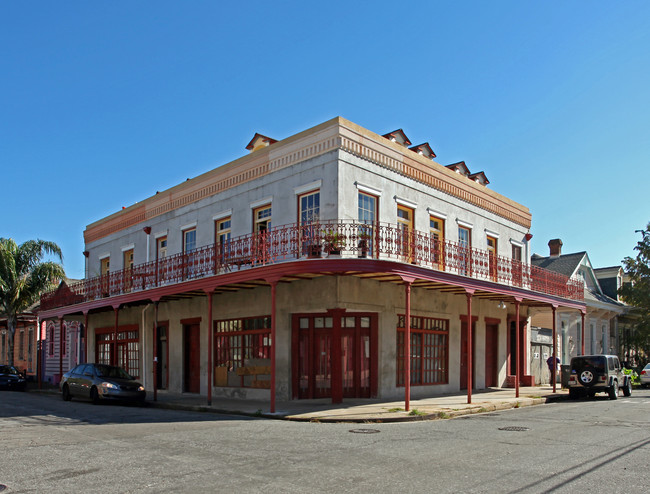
(552, 369)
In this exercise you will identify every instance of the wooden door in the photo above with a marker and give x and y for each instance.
(491, 355)
(192, 362)
(464, 357)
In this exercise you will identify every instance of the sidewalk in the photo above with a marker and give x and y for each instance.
(367, 410)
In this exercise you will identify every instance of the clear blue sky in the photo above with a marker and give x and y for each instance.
(104, 103)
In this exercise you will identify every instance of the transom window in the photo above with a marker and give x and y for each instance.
(429, 350)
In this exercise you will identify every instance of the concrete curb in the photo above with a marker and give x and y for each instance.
(377, 418)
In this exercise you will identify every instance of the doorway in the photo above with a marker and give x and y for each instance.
(191, 360)
(314, 373)
(491, 354)
(162, 357)
(464, 355)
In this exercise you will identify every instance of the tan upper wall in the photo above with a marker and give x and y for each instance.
(336, 133)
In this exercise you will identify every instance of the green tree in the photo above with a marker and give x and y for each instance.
(24, 276)
(637, 293)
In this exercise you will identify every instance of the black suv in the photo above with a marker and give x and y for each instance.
(591, 374)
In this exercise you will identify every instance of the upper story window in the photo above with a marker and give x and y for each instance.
(492, 256)
(105, 266)
(222, 231)
(464, 255)
(161, 247)
(437, 234)
(367, 208)
(309, 207)
(405, 227)
(189, 240)
(404, 218)
(222, 235)
(464, 237)
(262, 218)
(128, 259)
(516, 253)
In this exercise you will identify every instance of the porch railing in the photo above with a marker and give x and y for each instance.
(326, 239)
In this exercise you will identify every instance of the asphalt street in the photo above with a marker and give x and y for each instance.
(52, 446)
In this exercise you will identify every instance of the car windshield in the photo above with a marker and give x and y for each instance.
(8, 369)
(110, 371)
(598, 363)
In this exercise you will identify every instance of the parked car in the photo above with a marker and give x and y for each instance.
(101, 382)
(645, 376)
(591, 374)
(12, 379)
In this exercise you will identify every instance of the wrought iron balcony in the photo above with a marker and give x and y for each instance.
(326, 239)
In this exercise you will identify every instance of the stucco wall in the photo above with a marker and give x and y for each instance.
(317, 295)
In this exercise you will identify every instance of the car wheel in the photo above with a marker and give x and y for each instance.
(587, 377)
(627, 389)
(94, 395)
(65, 393)
(613, 391)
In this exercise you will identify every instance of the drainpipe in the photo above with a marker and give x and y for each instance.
(147, 230)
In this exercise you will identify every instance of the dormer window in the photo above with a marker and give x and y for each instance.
(479, 178)
(398, 136)
(259, 141)
(424, 150)
(459, 167)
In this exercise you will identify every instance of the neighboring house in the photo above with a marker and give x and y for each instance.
(334, 263)
(24, 342)
(61, 351)
(611, 281)
(600, 318)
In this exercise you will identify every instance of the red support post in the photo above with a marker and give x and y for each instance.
(582, 335)
(407, 347)
(114, 346)
(336, 367)
(274, 284)
(86, 336)
(517, 349)
(470, 353)
(155, 352)
(210, 349)
(554, 376)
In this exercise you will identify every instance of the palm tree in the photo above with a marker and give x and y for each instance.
(24, 276)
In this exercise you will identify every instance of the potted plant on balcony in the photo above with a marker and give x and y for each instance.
(364, 241)
(334, 242)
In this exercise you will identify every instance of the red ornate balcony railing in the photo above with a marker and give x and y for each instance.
(327, 239)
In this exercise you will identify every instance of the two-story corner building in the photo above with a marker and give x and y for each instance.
(316, 266)
(595, 331)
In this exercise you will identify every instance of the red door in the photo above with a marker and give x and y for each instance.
(355, 355)
(464, 355)
(192, 363)
(491, 353)
(313, 343)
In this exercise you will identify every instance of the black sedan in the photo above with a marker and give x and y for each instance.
(101, 382)
(11, 378)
